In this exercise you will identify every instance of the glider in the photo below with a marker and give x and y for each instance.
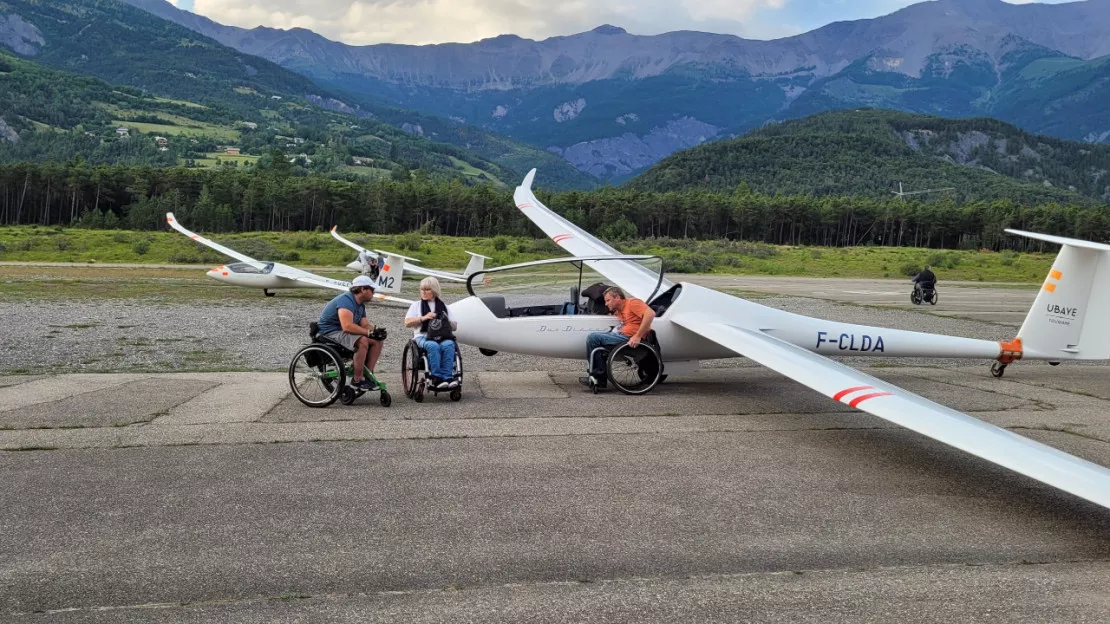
(694, 323)
(269, 276)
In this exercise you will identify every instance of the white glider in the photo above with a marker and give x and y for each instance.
(695, 323)
(269, 276)
(362, 265)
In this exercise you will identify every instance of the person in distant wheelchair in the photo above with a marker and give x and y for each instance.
(924, 286)
(635, 322)
(343, 320)
(433, 331)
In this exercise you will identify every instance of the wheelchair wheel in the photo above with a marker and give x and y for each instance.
(456, 394)
(634, 370)
(348, 395)
(385, 399)
(933, 299)
(317, 375)
(410, 369)
(418, 394)
(915, 297)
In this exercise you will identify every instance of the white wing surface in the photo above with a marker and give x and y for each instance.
(636, 279)
(859, 390)
(326, 282)
(218, 247)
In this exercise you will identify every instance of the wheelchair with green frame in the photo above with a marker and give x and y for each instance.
(319, 372)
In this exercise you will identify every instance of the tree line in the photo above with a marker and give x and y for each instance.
(269, 197)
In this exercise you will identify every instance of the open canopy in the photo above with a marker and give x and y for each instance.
(558, 274)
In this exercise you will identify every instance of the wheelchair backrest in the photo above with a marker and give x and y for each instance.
(313, 329)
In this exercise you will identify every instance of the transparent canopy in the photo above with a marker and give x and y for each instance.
(559, 284)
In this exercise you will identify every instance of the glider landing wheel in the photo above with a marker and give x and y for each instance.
(1053, 363)
(634, 370)
(998, 369)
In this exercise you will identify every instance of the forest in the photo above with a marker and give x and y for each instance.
(270, 197)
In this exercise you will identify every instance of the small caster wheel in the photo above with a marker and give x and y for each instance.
(998, 369)
(418, 396)
(347, 395)
(385, 399)
(456, 394)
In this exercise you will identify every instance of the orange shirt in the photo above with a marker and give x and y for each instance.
(631, 316)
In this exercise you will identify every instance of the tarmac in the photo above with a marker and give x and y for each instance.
(728, 495)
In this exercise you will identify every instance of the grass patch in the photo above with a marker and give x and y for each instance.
(321, 253)
(194, 128)
(217, 159)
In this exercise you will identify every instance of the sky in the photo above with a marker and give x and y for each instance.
(360, 22)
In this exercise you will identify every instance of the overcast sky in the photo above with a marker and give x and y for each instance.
(437, 21)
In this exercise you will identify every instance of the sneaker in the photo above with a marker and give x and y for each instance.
(454, 383)
(443, 384)
(366, 384)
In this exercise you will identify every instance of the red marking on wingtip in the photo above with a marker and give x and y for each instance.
(843, 393)
(856, 401)
(385, 268)
(194, 237)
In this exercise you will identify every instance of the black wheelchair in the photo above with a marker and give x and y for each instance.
(632, 370)
(414, 373)
(319, 372)
(924, 292)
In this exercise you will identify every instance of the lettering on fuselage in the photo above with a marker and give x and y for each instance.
(1056, 310)
(852, 342)
(570, 328)
(1061, 315)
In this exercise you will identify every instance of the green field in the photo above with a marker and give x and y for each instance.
(209, 159)
(195, 128)
(319, 249)
(470, 170)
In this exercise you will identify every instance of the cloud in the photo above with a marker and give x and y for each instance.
(437, 21)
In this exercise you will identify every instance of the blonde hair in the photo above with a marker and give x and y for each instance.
(432, 284)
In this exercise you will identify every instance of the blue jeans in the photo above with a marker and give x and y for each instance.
(441, 357)
(601, 339)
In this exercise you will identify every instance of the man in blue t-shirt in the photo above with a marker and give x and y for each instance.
(344, 321)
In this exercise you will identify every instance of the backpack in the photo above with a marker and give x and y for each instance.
(439, 328)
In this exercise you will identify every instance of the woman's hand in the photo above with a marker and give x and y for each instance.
(429, 316)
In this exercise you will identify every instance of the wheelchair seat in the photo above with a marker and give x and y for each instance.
(342, 350)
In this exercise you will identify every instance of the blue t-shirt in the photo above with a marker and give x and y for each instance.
(329, 318)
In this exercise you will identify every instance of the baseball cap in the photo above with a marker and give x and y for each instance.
(363, 281)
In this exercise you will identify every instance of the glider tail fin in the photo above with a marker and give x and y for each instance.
(1070, 318)
(477, 263)
(389, 278)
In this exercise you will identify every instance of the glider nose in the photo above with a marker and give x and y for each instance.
(355, 266)
(219, 272)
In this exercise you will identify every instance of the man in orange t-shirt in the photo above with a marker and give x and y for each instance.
(635, 317)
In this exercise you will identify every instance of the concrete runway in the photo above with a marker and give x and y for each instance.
(733, 494)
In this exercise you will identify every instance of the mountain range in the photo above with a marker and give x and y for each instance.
(161, 78)
(613, 103)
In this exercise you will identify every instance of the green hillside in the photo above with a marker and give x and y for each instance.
(211, 93)
(868, 152)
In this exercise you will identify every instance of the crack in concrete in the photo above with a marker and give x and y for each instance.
(632, 580)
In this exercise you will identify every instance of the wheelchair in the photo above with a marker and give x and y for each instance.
(632, 370)
(924, 292)
(319, 372)
(414, 373)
